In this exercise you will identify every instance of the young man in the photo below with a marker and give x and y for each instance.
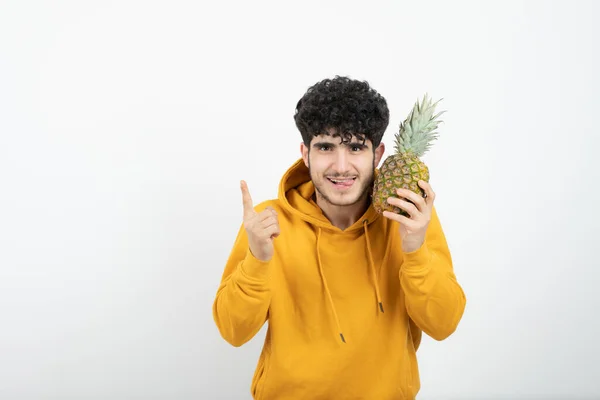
(346, 292)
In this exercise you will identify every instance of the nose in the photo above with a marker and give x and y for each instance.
(341, 163)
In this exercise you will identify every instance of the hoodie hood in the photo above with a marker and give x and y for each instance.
(296, 191)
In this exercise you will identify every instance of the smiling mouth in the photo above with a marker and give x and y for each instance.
(342, 182)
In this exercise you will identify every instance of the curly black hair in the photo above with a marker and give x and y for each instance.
(349, 107)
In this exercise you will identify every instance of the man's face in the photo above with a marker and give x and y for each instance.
(341, 172)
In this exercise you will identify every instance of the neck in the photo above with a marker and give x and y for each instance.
(343, 216)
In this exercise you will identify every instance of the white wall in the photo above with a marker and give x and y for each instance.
(125, 128)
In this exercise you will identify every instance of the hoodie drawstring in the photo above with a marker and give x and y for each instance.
(337, 320)
(373, 273)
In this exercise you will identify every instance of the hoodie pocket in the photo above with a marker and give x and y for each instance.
(260, 376)
(411, 385)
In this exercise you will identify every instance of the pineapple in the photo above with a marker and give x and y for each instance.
(404, 169)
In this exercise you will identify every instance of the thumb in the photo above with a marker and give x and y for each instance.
(246, 199)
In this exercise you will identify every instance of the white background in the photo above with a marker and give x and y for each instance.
(125, 128)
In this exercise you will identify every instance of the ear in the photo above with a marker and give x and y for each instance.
(379, 153)
(304, 153)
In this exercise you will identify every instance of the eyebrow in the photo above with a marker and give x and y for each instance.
(358, 144)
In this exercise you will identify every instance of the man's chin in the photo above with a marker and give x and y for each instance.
(342, 199)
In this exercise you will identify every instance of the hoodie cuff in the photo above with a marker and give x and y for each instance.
(418, 261)
(253, 268)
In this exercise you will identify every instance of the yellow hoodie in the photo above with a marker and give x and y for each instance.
(345, 308)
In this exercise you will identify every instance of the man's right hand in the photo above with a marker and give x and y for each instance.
(262, 228)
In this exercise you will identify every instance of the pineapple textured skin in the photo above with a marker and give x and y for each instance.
(398, 171)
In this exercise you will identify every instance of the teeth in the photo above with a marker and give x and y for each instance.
(341, 180)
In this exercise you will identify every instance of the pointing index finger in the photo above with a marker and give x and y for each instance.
(246, 199)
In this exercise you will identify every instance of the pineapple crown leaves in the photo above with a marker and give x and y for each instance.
(418, 130)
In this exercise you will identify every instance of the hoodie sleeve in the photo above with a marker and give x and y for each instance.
(241, 306)
(435, 300)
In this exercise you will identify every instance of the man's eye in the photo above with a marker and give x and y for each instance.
(356, 148)
(325, 147)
